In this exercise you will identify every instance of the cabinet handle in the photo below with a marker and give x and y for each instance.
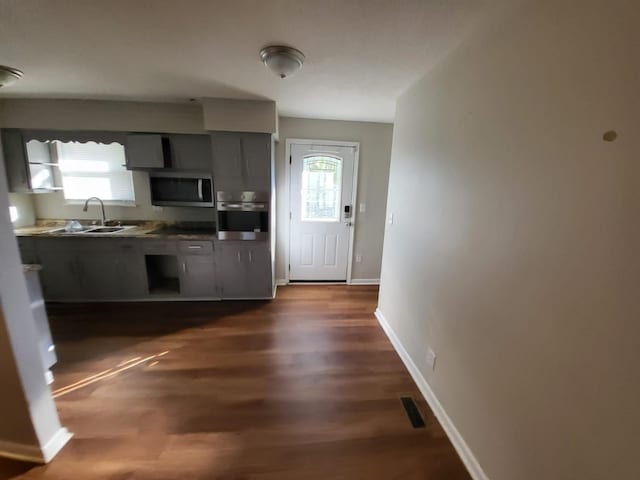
(194, 247)
(200, 189)
(238, 256)
(250, 256)
(184, 267)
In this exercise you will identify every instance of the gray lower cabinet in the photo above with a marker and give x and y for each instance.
(198, 269)
(198, 278)
(97, 269)
(60, 276)
(244, 269)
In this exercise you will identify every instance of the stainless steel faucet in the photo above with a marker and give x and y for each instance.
(86, 206)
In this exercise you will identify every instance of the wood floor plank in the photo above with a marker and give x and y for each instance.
(304, 387)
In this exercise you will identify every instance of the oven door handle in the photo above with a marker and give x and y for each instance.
(200, 196)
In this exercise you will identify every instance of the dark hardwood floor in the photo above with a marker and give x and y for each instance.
(304, 387)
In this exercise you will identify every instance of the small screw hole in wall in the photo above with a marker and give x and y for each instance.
(610, 136)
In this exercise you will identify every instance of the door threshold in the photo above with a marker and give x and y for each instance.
(317, 282)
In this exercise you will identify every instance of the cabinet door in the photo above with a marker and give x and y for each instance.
(99, 275)
(256, 149)
(230, 259)
(198, 276)
(27, 246)
(144, 151)
(258, 270)
(131, 276)
(226, 153)
(191, 152)
(60, 275)
(15, 158)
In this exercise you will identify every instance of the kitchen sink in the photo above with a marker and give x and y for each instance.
(64, 230)
(92, 230)
(106, 230)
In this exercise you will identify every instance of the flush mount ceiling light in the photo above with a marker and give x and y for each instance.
(283, 61)
(9, 75)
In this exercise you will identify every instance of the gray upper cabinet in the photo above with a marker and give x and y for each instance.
(241, 161)
(15, 158)
(144, 151)
(190, 152)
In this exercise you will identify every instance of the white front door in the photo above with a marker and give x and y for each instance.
(321, 211)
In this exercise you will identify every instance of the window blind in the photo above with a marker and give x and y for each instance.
(92, 169)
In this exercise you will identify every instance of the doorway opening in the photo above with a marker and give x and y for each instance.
(322, 178)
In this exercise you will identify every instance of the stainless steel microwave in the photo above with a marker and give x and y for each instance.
(177, 189)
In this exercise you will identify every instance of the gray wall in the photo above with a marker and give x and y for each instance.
(375, 152)
(514, 250)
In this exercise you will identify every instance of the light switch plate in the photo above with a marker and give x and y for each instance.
(358, 258)
(363, 208)
(391, 219)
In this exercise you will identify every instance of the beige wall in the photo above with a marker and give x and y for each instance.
(25, 207)
(514, 250)
(66, 114)
(375, 151)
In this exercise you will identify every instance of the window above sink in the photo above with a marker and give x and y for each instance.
(81, 170)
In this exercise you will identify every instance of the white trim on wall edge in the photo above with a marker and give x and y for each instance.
(281, 282)
(55, 444)
(465, 453)
(365, 281)
(31, 453)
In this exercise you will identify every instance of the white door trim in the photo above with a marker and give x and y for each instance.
(354, 194)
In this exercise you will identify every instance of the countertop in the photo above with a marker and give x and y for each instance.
(140, 229)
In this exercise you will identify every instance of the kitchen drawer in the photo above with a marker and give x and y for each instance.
(129, 245)
(195, 247)
(159, 247)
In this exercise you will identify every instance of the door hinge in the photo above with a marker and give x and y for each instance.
(289, 267)
(290, 215)
(289, 159)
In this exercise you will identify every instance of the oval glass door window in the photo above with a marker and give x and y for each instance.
(321, 189)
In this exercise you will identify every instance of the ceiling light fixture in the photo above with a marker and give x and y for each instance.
(9, 75)
(282, 60)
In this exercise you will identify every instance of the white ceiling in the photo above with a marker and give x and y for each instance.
(361, 54)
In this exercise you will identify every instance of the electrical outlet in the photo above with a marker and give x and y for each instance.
(431, 358)
(358, 258)
(391, 219)
(363, 208)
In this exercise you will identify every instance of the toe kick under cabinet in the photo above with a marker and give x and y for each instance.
(128, 269)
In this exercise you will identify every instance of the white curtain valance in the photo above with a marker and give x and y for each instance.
(74, 136)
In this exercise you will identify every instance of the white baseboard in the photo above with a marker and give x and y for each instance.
(365, 281)
(55, 444)
(450, 429)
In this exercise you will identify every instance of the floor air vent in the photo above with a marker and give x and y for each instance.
(412, 412)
